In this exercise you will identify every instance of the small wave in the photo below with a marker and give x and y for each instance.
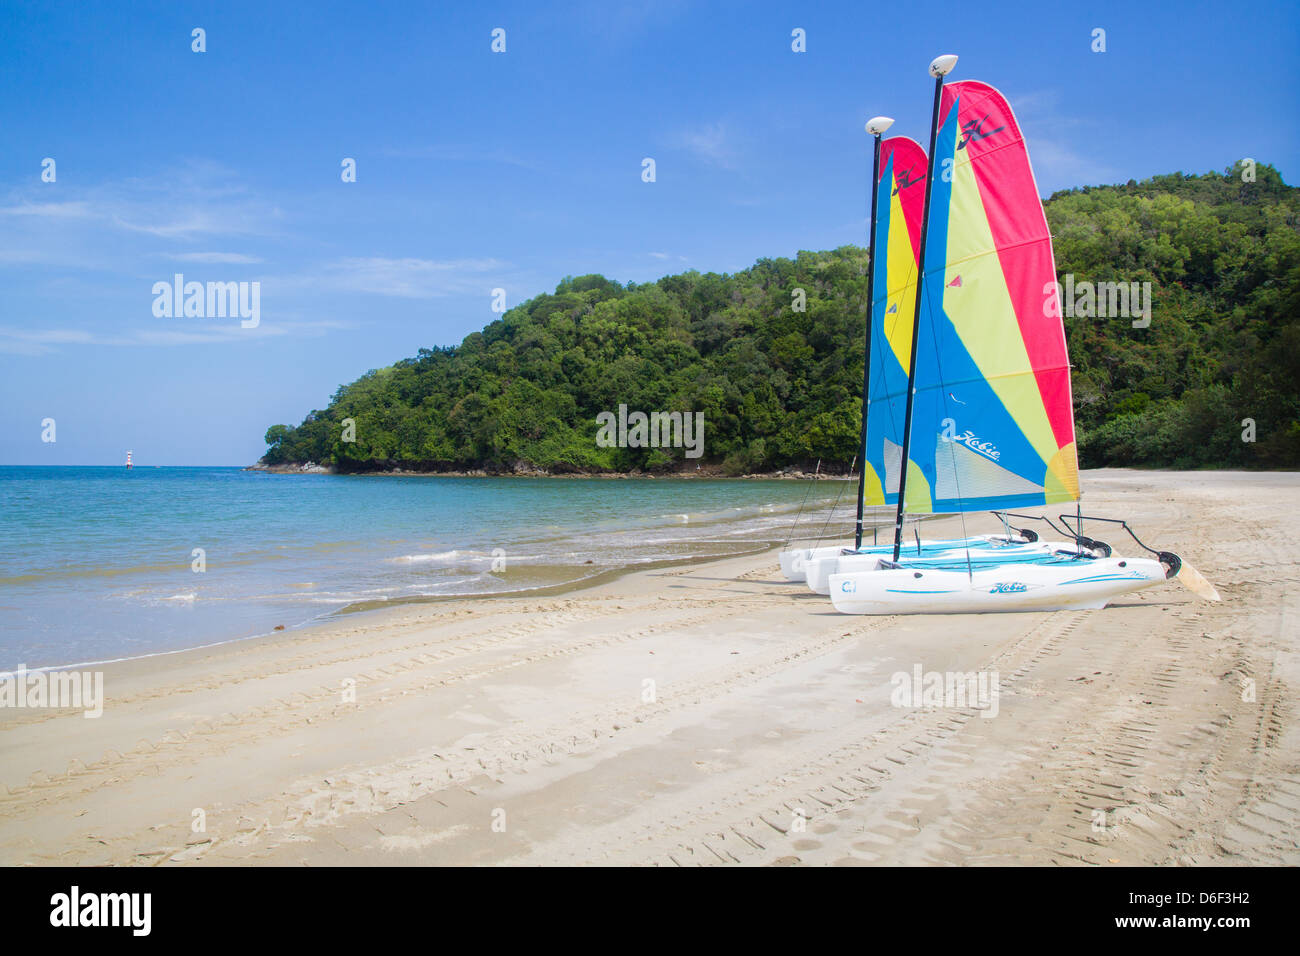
(353, 594)
(435, 557)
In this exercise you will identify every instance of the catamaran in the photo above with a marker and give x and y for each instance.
(982, 377)
(899, 172)
(989, 551)
(898, 168)
(798, 563)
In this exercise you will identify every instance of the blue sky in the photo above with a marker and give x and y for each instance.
(478, 170)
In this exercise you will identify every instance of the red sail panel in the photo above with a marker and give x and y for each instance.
(909, 167)
(988, 131)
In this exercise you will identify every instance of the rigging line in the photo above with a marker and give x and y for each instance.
(790, 536)
(1078, 524)
(914, 280)
(873, 261)
(878, 354)
(995, 252)
(943, 396)
(879, 359)
(830, 514)
(892, 399)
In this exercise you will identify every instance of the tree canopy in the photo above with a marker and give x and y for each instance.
(781, 386)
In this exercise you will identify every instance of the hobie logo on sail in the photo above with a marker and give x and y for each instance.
(904, 180)
(970, 440)
(974, 130)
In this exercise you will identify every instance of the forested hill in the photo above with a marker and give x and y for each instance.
(779, 386)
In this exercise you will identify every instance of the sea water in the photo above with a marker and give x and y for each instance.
(104, 563)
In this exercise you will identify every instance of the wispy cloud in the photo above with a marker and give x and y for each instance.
(711, 143)
(16, 340)
(1050, 134)
(184, 203)
(49, 210)
(225, 258)
(164, 220)
(407, 278)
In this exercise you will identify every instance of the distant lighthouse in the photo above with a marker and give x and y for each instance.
(128, 459)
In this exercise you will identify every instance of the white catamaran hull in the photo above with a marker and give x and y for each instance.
(1029, 587)
(818, 571)
(795, 561)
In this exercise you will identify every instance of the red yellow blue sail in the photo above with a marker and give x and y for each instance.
(992, 422)
(900, 198)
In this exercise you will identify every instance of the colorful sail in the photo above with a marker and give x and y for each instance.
(900, 198)
(992, 423)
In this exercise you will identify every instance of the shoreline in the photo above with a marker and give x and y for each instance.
(284, 564)
(789, 474)
(368, 609)
(311, 468)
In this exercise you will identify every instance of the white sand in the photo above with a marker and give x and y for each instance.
(1122, 736)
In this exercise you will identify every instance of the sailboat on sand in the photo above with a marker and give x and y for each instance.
(983, 381)
(899, 174)
(899, 170)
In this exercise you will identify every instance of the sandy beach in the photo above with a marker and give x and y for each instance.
(712, 714)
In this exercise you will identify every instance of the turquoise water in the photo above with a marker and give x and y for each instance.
(97, 563)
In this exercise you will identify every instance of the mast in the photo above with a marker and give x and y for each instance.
(876, 126)
(940, 67)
